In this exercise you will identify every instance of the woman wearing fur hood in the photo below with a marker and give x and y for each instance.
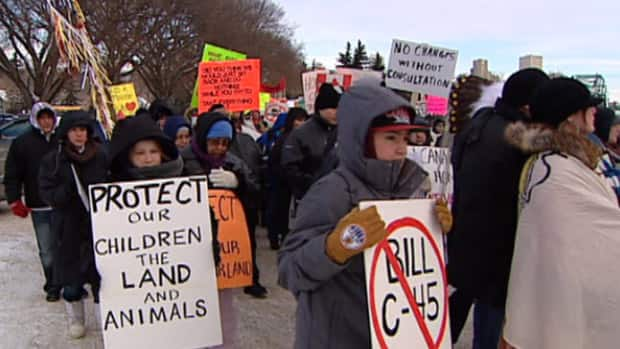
(563, 290)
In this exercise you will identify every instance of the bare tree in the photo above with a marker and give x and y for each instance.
(28, 53)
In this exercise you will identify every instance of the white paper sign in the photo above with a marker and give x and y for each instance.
(435, 161)
(153, 249)
(421, 68)
(406, 280)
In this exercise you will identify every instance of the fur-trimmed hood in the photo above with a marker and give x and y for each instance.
(537, 138)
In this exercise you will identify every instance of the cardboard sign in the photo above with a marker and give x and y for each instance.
(153, 249)
(435, 161)
(235, 84)
(436, 105)
(235, 268)
(124, 100)
(421, 68)
(212, 53)
(406, 279)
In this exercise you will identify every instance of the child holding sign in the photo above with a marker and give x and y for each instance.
(321, 261)
(208, 153)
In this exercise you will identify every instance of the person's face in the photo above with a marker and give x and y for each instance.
(183, 138)
(298, 122)
(614, 134)
(161, 122)
(391, 145)
(440, 127)
(146, 153)
(418, 138)
(46, 122)
(217, 146)
(78, 136)
(584, 120)
(330, 115)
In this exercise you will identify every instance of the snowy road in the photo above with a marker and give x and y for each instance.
(28, 321)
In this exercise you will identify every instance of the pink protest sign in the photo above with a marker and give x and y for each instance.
(436, 105)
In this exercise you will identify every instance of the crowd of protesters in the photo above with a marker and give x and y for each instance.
(532, 231)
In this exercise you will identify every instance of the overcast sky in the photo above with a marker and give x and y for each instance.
(573, 36)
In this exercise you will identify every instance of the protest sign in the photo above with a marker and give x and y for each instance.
(235, 269)
(436, 162)
(264, 99)
(153, 249)
(124, 100)
(436, 105)
(212, 53)
(406, 279)
(421, 68)
(235, 84)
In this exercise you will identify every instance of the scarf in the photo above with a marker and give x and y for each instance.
(206, 161)
(172, 168)
(90, 149)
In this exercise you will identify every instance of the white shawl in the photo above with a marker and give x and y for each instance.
(564, 289)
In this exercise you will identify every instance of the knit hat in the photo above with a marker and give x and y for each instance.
(520, 86)
(604, 120)
(220, 129)
(328, 97)
(559, 98)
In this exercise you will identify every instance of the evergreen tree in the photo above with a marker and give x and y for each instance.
(345, 58)
(360, 57)
(377, 62)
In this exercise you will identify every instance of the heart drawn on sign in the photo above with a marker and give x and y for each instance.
(130, 106)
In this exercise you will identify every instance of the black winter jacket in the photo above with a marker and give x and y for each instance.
(304, 151)
(486, 180)
(22, 166)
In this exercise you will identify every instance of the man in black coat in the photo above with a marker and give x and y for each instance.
(486, 183)
(307, 146)
(21, 175)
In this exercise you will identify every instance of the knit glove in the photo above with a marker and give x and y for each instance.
(444, 216)
(354, 233)
(19, 209)
(223, 179)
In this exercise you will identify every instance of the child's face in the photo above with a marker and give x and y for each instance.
(145, 153)
(183, 138)
(391, 145)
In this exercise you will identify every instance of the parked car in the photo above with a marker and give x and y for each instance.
(5, 118)
(8, 132)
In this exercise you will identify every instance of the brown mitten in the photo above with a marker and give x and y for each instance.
(444, 216)
(354, 233)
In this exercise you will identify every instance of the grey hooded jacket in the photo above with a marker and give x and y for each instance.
(332, 305)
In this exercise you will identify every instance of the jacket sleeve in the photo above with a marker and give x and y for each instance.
(248, 182)
(292, 161)
(303, 264)
(14, 172)
(56, 187)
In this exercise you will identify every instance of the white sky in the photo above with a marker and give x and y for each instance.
(574, 37)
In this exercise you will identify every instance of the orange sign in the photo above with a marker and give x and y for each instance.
(235, 269)
(235, 84)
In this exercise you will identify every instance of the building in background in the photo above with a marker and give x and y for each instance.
(480, 68)
(530, 61)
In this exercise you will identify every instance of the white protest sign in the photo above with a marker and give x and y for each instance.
(421, 68)
(153, 249)
(406, 279)
(435, 161)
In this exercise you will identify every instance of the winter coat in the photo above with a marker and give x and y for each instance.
(332, 305)
(135, 129)
(75, 262)
(564, 290)
(24, 160)
(246, 149)
(304, 152)
(248, 183)
(486, 181)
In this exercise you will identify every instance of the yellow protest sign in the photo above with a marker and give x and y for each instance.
(124, 100)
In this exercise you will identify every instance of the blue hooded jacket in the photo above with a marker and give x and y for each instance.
(268, 139)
